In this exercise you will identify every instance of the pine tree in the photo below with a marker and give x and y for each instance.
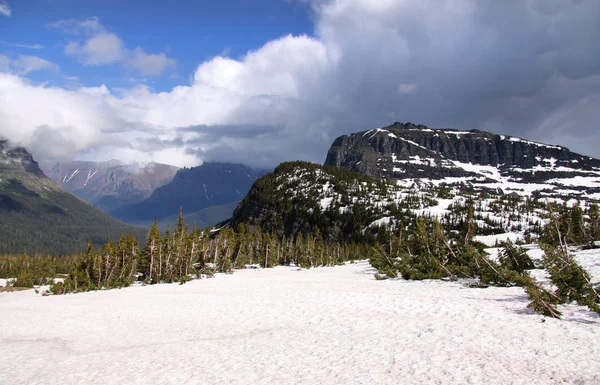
(515, 258)
(577, 226)
(149, 260)
(593, 223)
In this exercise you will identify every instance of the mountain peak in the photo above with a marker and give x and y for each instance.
(17, 159)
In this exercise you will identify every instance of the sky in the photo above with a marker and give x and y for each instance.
(265, 81)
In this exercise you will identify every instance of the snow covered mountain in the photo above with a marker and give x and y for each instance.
(394, 175)
(108, 185)
(475, 160)
(299, 197)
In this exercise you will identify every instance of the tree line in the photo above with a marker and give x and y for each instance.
(178, 255)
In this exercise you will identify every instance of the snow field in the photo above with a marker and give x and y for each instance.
(280, 326)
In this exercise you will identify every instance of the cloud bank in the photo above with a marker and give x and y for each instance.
(526, 68)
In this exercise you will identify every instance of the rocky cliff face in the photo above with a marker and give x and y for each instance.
(407, 152)
(109, 185)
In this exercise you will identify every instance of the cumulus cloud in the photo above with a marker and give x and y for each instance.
(98, 46)
(525, 68)
(103, 48)
(5, 9)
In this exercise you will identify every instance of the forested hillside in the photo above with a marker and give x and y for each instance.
(38, 216)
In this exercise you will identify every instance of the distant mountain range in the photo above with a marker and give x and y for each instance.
(477, 160)
(207, 194)
(36, 215)
(109, 185)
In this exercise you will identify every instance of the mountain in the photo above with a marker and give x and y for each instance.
(36, 215)
(299, 197)
(108, 185)
(194, 189)
(394, 175)
(483, 161)
(342, 205)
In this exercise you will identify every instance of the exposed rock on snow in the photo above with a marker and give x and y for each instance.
(478, 160)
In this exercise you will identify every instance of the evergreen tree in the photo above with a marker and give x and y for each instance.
(593, 223)
(149, 260)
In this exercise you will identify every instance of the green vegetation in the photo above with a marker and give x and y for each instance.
(311, 215)
(51, 220)
(177, 256)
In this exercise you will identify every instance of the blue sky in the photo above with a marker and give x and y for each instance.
(261, 82)
(188, 32)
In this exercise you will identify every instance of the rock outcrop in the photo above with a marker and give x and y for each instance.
(409, 152)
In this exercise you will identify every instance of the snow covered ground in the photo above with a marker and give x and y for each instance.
(282, 326)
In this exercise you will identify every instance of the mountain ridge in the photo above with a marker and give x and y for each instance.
(407, 152)
(213, 184)
(110, 184)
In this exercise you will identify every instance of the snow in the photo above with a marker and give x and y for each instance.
(325, 202)
(490, 240)
(90, 175)
(280, 326)
(380, 222)
(514, 139)
(72, 175)
(416, 144)
(436, 211)
(590, 260)
(578, 181)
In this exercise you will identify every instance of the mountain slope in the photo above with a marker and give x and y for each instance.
(299, 197)
(479, 160)
(108, 185)
(36, 215)
(193, 189)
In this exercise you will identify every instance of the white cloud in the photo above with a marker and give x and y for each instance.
(74, 26)
(521, 68)
(101, 47)
(5, 62)
(5, 9)
(149, 64)
(24, 64)
(20, 45)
